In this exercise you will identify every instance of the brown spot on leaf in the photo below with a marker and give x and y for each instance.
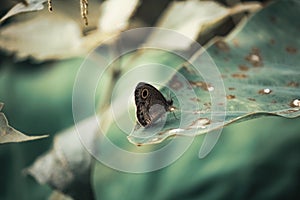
(223, 76)
(288, 111)
(201, 84)
(272, 41)
(223, 46)
(236, 42)
(293, 84)
(239, 76)
(273, 19)
(251, 99)
(175, 83)
(163, 132)
(243, 68)
(207, 105)
(201, 123)
(195, 99)
(230, 96)
(291, 50)
(295, 103)
(231, 88)
(265, 91)
(254, 57)
(205, 121)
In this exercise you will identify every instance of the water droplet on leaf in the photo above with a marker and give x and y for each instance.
(265, 91)
(295, 103)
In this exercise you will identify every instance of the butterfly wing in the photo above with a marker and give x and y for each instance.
(142, 105)
(150, 103)
(143, 115)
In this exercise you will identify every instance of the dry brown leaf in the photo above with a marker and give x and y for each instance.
(9, 134)
(189, 18)
(21, 7)
(59, 35)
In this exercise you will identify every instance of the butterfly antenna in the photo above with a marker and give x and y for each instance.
(170, 94)
(175, 115)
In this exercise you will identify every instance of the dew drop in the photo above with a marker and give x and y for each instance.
(265, 91)
(295, 103)
(254, 58)
(210, 88)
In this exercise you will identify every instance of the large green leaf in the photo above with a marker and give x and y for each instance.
(259, 67)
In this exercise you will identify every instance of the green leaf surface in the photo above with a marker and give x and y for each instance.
(9, 134)
(257, 158)
(259, 67)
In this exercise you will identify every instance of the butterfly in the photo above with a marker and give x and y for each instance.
(150, 104)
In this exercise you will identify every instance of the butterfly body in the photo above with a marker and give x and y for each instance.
(150, 104)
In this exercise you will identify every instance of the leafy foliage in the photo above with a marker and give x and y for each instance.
(67, 38)
(258, 64)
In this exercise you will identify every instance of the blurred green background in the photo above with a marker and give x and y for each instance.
(255, 159)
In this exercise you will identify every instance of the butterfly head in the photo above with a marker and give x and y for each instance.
(170, 106)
